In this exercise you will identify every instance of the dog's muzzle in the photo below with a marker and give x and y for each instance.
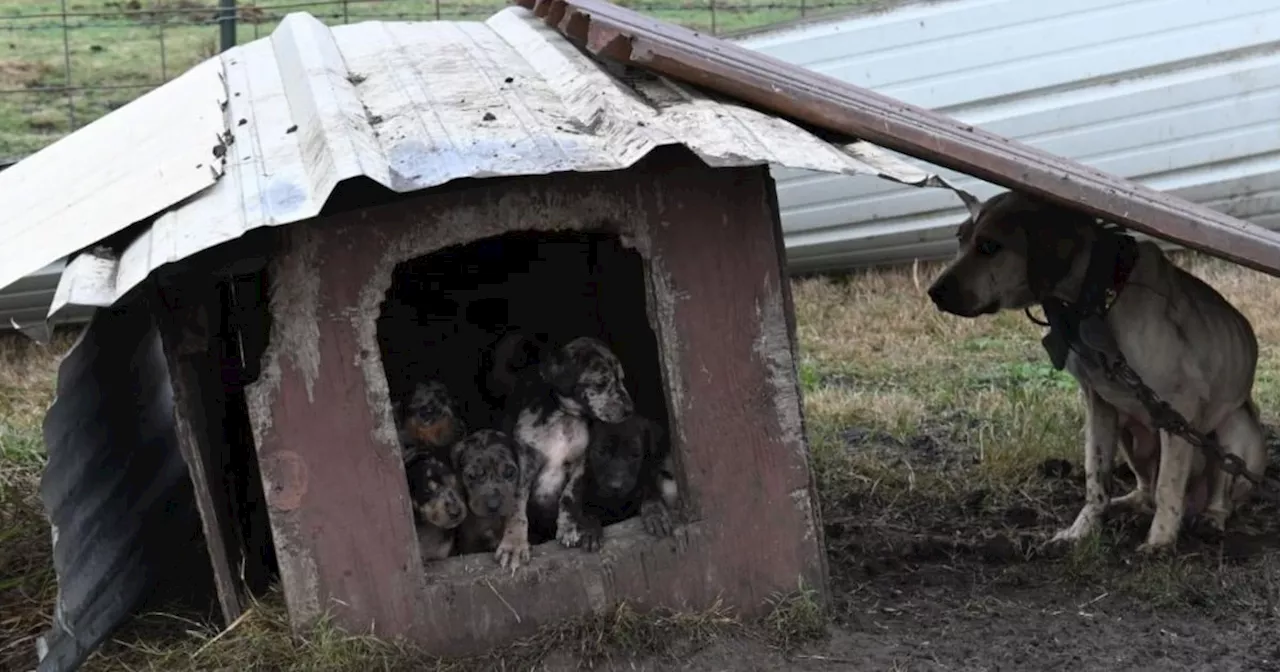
(947, 295)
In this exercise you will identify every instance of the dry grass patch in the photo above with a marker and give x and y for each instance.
(943, 440)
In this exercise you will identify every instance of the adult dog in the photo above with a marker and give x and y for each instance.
(1185, 341)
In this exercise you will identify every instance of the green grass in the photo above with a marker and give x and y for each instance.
(116, 50)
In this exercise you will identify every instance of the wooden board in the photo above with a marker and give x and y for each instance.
(198, 403)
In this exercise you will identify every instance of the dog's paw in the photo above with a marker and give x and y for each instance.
(1148, 549)
(512, 553)
(656, 518)
(568, 532)
(592, 536)
(1056, 547)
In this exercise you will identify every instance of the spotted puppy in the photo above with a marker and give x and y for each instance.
(548, 414)
(430, 417)
(438, 506)
(496, 472)
(628, 467)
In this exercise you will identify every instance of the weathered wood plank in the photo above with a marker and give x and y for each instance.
(184, 326)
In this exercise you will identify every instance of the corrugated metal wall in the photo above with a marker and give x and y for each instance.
(1182, 95)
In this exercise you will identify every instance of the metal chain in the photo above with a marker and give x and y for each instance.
(1166, 418)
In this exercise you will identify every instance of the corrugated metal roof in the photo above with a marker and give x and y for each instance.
(410, 105)
(853, 111)
(1179, 95)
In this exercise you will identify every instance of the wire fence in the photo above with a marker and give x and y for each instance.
(68, 62)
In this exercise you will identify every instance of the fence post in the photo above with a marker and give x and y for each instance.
(227, 24)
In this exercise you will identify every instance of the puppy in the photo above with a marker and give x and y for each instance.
(438, 506)
(548, 415)
(1186, 342)
(430, 417)
(628, 468)
(496, 472)
(514, 352)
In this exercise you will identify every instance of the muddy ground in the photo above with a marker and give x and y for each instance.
(956, 584)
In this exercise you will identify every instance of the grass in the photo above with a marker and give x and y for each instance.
(116, 50)
(930, 437)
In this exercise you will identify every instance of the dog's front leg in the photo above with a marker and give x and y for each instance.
(513, 550)
(574, 527)
(1171, 489)
(1102, 426)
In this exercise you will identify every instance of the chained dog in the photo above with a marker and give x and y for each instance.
(496, 472)
(548, 414)
(628, 471)
(1185, 341)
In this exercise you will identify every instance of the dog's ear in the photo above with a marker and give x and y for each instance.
(1053, 243)
(559, 372)
(456, 451)
(971, 203)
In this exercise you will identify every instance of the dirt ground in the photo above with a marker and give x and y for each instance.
(962, 589)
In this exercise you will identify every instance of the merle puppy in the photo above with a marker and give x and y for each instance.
(429, 417)
(548, 414)
(496, 472)
(438, 506)
(628, 468)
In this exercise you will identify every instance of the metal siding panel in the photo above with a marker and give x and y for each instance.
(1176, 94)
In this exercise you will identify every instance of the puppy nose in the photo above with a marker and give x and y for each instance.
(943, 290)
(453, 509)
(493, 503)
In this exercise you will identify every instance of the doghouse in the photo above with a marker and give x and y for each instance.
(441, 183)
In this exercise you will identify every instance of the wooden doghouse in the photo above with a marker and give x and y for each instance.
(707, 279)
(552, 192)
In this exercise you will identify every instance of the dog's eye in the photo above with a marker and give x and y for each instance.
(988, 247)
(508, 472)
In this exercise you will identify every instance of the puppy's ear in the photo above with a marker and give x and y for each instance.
(456, 451)
(559, 372)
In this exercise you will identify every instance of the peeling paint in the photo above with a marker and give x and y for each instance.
(773, 347)
(293, 299)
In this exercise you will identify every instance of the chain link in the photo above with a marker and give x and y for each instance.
(1166, 418)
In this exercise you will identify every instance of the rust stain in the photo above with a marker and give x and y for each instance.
(285, 473)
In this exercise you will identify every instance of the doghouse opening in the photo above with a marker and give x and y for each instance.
(457, 315)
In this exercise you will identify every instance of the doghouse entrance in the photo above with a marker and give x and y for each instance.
(453, 316)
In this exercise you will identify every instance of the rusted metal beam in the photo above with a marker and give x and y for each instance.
(828, 103)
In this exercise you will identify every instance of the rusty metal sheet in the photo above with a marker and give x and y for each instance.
(825, 102)
(413, 105)
(124, 522)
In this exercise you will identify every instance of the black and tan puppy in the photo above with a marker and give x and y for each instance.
(496, 472)
(628, 471)
(438, 506)
(548, 414)
(430, 417)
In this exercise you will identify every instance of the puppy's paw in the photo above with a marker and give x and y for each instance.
(592, 536)
(512, 552)
(656, 518)
(568, 532)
